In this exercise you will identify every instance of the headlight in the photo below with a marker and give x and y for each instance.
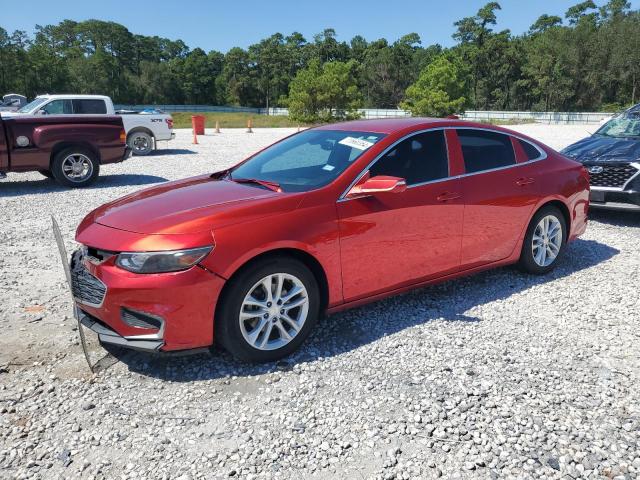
(158, 262)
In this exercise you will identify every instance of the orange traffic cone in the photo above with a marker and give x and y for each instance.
(249, 130)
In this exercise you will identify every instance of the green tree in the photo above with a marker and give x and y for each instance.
(321, 93)
(438, 92)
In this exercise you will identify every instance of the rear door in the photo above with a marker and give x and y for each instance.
(500, 192)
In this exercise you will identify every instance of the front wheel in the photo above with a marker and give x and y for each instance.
(140, 143)
(268, 310)
(544, 242)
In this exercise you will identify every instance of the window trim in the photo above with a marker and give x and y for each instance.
(543, 156)
(413, 134)
(541, 153)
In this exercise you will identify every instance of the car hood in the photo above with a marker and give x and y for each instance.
(190, 206)
(604, 149)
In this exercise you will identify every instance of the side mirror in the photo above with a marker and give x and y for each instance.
(41, 112)
(376, 186)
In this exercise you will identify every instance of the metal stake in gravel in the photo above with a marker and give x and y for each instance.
(67, 273)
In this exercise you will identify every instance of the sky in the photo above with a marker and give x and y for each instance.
(215, 25)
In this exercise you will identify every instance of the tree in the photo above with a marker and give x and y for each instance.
(472, 32)
(321, 93)
(578, 13)
(544, 23)
(438, 92)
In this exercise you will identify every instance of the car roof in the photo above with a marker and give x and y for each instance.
(63, 96)
(394, 125)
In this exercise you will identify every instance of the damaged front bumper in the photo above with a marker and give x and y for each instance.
(110, 337)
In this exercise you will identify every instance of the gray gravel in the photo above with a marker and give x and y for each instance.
(500, 375)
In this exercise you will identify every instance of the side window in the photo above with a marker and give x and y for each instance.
(485, 150)
(58, 107)
(89, 107)
(532, 152)
(418, 159)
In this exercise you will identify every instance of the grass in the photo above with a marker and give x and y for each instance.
(233, 120)
(505, 121)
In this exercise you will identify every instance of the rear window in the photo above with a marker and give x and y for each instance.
(89, 107)
(485, 150)
(532, 152)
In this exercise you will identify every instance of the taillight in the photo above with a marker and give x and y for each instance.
(123, 136)
(169, 123)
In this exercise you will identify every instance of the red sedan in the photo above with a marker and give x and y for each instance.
(323, 220)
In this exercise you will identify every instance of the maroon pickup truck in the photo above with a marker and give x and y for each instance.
(69, 149)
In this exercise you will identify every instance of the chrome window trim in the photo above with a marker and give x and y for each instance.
(541, 153)
(635, 165)
(543, 156)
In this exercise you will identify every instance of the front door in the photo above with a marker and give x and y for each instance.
(393, 240)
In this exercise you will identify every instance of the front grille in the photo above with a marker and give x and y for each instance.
(612, 176)
(86, 288)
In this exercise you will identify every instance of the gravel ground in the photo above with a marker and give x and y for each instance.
(500, 375)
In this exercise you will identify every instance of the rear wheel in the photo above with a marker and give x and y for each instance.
(268, 310)
(75, 167)
(544, 242)
(140, 143)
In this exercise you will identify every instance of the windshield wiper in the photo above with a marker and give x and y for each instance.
(265, 183)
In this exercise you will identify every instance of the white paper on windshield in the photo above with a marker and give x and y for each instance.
(358, 143)
(328, 168)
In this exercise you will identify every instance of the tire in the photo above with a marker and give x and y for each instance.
(71, 178)
(140, 143)
(46, 173)
(234, 334)
(538, 260)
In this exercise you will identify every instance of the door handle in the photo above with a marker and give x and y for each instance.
(524, 181)
(446, 196)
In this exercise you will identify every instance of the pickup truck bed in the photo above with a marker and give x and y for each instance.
(144, 130)
(68, 148)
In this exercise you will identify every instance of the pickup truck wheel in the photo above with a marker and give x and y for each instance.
(46, 173)
(75, 167)
(140, 143)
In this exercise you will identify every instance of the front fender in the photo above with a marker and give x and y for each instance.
(313, 231)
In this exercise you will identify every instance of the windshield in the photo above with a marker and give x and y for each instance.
(308, 160)
(621, 127)
(32, 105)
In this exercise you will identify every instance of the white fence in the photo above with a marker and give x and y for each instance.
(479, 115)
(364, 112)
(539, 117)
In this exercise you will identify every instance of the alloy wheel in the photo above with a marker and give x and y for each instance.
(274, 311)
(77, 167)
(547, 241)
(140, 144)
